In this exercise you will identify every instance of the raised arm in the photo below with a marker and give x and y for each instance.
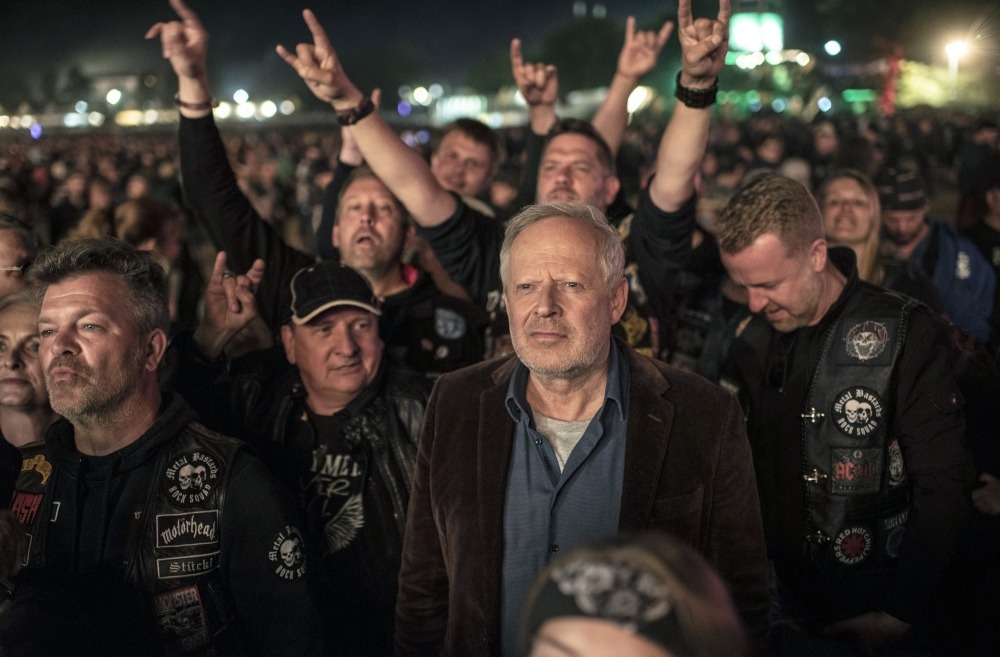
(704, 43)
(229, 306)
(539, 85)
(185, 46)
(400, 168)
(210, 185)
(637, 58)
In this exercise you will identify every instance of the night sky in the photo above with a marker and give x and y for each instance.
(106, 36)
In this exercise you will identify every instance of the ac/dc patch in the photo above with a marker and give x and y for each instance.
(855, 470)
(192, 478)
(858, 412)
(852, 545)
(287, 554)
(182, 620)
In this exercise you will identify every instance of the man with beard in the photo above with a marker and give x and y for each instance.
(422, 327)
(962, 276)
(152, 533)
(856, 424)
(577, 166)
(576, 437)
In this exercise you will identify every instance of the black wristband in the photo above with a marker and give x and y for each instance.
(355, 114)
(696, 98)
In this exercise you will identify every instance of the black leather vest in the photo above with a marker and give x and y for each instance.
(174, 543)
(856, 494)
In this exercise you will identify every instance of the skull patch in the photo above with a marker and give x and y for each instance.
(867, 340)
(858, 412)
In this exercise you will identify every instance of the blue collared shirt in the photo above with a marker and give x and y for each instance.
(547, 511)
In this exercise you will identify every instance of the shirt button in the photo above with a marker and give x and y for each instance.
(553, 548)
(538, 441)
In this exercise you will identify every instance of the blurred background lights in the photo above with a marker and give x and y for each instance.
(241, 96)
(421, 96)
(286, 107)
(268, 109)
(832, 48)
(113, 97)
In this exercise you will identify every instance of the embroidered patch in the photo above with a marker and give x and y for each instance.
(852, 545)
(181, 617)
(963, 266)
(854, 470)
(192, 478)
(867, 340)
(897, 469)
(858, 412)
(449, 324)
(25, 506)
(287, 554)
(191, 565)
(894, 528)
(182, 529)
(39, 465)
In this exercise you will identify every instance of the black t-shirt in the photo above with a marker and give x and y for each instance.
(339, 494)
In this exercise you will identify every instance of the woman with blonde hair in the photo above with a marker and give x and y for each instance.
(851, 217)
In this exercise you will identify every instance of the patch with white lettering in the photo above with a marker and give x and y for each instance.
(449, 324)
(852, 545)
(181, 617)
(287, 554)
(855, 470)
(192, 478)
(25, 506)
(893, 529)
(192, 565)
(866, 341)
(897, 468)
(858, 412)
(182, 529)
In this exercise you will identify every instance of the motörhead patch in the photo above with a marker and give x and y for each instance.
(852, 545)
(192, 478)
(858, 412)
(287, 555)
(897, 468)
(855, 470)
(181, 618)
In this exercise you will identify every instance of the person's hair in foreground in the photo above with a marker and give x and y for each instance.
(609, 245)
(144, 280)
(650, 585)
(770, 204)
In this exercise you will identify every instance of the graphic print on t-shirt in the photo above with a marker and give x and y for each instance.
(337, 479)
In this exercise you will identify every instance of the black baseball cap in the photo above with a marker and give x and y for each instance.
(900, 189)
(326, 285)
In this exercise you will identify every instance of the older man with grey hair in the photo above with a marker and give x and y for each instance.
(574, 437)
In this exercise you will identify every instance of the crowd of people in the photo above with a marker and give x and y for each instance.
(580, 388)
